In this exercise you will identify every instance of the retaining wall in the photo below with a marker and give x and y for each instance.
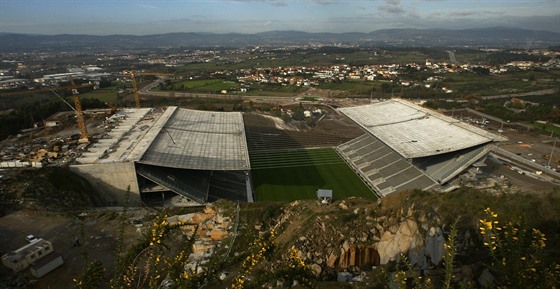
(112, 180)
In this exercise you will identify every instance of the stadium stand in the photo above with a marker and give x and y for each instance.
(200, 155)
(410, 147)
(384, 170)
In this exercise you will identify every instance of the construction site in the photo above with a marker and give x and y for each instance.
(187, 159)
(172, 156)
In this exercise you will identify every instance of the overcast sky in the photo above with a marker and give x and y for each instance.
(105, 17)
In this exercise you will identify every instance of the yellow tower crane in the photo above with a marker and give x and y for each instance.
(84, 137)
(133, 74)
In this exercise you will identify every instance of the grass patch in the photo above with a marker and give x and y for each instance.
(481, 85)
(548, 128)
(309, 98)
(204, 85)
(297, 174)
(549, 99)
(105, 94)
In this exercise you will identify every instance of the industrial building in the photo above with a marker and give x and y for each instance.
(406, 146)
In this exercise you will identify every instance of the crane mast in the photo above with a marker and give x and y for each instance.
(133, 74)
(84, 137)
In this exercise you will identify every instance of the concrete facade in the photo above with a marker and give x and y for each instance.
(112, 179)
(143, 149)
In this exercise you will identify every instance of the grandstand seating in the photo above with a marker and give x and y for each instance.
(382, 168)
(446, 166)
(229, 185)
(192, 184)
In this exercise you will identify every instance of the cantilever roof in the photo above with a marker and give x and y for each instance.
(128, 126)
(201, 140)
(414, 131)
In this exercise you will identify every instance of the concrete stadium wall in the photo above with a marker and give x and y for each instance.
(112, 181)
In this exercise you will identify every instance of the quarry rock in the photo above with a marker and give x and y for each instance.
(435, 245)
(344, 277)
(219, 219)
(316, 269)
(406, 236)
(358, 256)
(486, 279)
(217, 235)
(199, 218)
(331, 260)
(417, 257)
(209, 210)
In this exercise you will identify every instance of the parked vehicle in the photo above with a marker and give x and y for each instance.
(31, 238)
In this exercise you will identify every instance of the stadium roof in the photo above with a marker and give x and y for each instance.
(117, 143)
(414, 131)
(202, 140)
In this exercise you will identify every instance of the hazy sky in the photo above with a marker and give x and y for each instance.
(103, 17)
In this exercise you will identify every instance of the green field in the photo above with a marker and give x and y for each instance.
(105, 94)
(297, 174)
(204, 85)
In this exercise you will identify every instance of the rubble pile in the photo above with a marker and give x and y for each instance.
(40, 151)
(210, 227)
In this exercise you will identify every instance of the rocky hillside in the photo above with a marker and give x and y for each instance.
(367, 242)
(52, 189)
(465, 239)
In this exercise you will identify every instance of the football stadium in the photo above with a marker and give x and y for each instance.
(177, 156)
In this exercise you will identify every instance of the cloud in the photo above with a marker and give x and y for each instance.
(285, 2)
(473, 13)
(325, 2)
(148, 6)
(271, 2)
(371, 22)
(392, 7)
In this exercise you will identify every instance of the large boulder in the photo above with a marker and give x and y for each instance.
(435, 245)
(405, 238)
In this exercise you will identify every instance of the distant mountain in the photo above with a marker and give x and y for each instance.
(503, 37)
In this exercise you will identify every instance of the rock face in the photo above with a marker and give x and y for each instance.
(354, 237)
(211, 228)
(405, 238)
(344, 277)
(358, 256)
(316, 268)
(435, 245)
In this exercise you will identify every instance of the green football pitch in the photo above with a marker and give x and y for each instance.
(297, 174)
